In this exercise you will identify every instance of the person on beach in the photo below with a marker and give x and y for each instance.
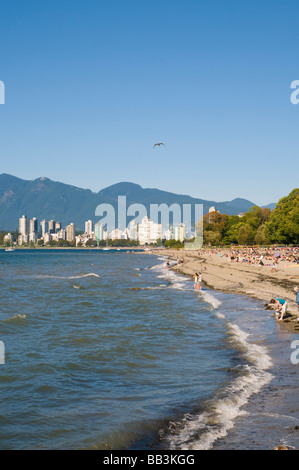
(274, 266)
(199, 281)
(281, 308)
(195, 281)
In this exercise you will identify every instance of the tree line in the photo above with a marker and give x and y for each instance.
(258, 226)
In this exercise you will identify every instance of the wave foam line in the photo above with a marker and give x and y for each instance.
(199, 432)
(67, 277)
(209, 298)
(20, 316)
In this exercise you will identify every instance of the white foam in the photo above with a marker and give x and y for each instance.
(227, 404)
(220, 315)
(67, 277)
(20, 316)
(208, 297)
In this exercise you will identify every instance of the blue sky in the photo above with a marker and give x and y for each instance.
(91, 85)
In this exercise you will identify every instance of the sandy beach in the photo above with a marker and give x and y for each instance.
(243, 278)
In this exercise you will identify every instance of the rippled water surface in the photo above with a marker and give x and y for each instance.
(109, 350)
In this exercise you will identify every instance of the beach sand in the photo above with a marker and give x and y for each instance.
(242, 278)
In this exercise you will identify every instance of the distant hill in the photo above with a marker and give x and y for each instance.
(270, 206)
(46, 199)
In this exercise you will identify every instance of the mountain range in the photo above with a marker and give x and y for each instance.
(46, 199)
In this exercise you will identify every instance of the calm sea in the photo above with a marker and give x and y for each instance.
(107, 350)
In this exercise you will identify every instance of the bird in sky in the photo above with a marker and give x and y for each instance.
(159, 143)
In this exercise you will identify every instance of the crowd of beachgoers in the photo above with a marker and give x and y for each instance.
(261, 256)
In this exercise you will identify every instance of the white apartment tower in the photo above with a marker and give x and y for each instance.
(148, 231)
(51, 226)
(33, 225)
(180, 232)
(43, 225)
(99, 232)
(70, 233)
(23, 225)
(88, 227)
(57, 227)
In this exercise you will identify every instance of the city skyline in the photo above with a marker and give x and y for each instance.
(31, 231)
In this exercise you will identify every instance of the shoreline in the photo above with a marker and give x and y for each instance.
(273, 411)
(241, 278)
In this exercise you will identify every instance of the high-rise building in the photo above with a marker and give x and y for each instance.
(33, 225)
(61, 234)
(23, 225)
(43, 225)
(23, 239)
(70, 233)
(133, 230)
(57, 227)
(180, 232)
(33, 237)
(168, 234)
(99, 232)
(88, 227)
(149, 231)
(51, 226)
(47, 237)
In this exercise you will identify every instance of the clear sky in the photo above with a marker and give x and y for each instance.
(92, 85)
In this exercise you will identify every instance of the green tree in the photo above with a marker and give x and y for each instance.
(175, 244)
(230, 233)
(246, 235)
(261, 237)
(91, 243)
(283, 223)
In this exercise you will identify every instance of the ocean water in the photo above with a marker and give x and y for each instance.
(108, 350)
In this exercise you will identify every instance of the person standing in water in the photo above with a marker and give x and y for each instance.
(195, 277)
(199, 281)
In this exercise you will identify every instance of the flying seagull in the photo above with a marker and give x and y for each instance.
(159, 143)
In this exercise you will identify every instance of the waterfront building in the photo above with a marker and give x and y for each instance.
(168, 234)
(23, 225)
(180, 232)
(61, 235)
(70, 232)
(47, 237)
(148, 231)
(99, 232)
(33, 237)
(88, 227)
(51, 226)
(43, 225)
(133, 230)
(23, 239)
(8, 238)
(117, 234)
(33, 225)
